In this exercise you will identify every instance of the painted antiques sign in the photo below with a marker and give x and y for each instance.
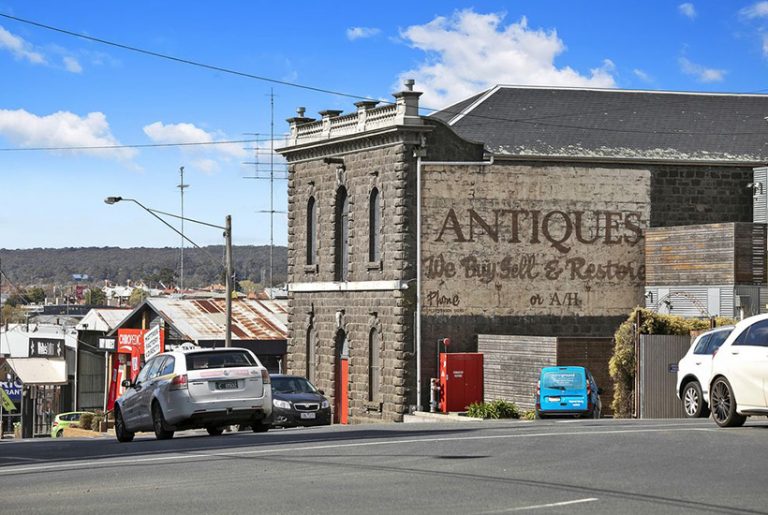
(522, 240)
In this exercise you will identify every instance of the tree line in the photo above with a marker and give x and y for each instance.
(153, 266)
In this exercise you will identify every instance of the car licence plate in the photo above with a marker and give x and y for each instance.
(226, 385)
(554, 399)
(307, 415)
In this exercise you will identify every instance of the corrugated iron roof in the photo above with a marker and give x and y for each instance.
(105, 320)
(205, 319)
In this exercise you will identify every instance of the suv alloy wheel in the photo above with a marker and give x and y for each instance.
(723, 404)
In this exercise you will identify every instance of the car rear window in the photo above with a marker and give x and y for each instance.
(292, 385)
(221, 359)
(565, 379)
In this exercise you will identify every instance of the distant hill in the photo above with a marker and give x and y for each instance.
(201, 267)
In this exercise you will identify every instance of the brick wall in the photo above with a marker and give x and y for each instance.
(689, 195)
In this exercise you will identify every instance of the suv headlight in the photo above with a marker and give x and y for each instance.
(277, 403)
(325, 404)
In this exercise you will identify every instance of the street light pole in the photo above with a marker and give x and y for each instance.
(228, 250)
(228, 247)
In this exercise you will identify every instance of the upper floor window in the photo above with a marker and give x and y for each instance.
(374, 226)
(341, 229)
(311, 231)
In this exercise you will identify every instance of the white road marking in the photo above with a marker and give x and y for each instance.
(540, 506)
(283, 449)
(19, 458)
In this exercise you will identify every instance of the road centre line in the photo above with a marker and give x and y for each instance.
(541, 506)
(235, 452)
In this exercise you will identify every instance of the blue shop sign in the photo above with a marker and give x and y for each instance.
(13, 389)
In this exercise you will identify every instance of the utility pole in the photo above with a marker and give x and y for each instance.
(182, 187)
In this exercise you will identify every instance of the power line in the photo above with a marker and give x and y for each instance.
(529, 120)
(116, 147)
(182, 60)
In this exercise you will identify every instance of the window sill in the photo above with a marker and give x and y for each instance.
(373, 407)
(374, 265)
(311, 269)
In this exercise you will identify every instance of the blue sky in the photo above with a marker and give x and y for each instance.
(57, 91)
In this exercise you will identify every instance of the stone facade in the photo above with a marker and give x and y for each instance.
(373, 307)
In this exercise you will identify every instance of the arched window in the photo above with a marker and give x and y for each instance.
(310, 351)
(311, 231)
(374, 226)
(341, 258)
(374, 366)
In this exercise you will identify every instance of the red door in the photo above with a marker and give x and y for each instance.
(341, 404)
(341, 380)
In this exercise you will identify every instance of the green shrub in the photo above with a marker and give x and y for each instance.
(494, 409)
(86, 419)
(529, 415)
(622, 364)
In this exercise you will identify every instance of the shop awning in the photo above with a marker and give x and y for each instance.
(39, 370)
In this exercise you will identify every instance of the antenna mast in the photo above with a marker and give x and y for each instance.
(182, 187)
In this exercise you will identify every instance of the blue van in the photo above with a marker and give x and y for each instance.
(567, 391)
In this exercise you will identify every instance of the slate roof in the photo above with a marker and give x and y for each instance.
(597, 124)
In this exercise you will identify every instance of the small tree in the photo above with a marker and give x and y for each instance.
(138, 295)
(95, 297)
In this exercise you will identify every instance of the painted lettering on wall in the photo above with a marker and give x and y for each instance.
(560, 229)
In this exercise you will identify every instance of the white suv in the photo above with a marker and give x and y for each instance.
(739, 385)
(695, 370)
(200, 388)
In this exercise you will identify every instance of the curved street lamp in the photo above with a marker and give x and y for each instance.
(228, 252)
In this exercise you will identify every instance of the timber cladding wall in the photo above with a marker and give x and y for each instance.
(512, 364)
(517, 239)
(713, 254)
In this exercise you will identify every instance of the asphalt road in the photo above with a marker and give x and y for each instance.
(590, 466)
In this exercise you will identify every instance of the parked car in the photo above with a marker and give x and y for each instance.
(200, 388)
(297, 402)
(694, 371)
(568, 391)
(65, 420)
(739, 385)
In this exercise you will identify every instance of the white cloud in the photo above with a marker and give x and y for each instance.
(354, 33)
(207, 166)
(19, 47)
(688, 10)
(701, 73)
(470, 52)
(642, 75)
(62, 129)
(758, 10)
(190, 133)
(72, 65)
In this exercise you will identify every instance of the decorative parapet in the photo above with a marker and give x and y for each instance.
(333, 124)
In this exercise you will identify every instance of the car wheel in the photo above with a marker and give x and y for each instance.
(214, 431)
(122, 434)
(693, 400)
(540, 415)
(258, 427)
(723, 404)
(158, 422)
(59, 434)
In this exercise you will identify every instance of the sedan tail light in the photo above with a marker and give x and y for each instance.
(179, 382)
(265, 376)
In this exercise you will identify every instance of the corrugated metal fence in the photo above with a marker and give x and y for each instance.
(658, 359)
